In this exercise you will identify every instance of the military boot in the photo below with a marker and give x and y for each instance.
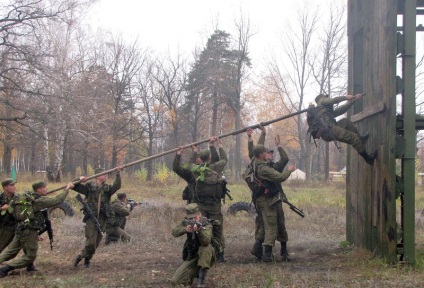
(268, 257)
(77, 260)
(284, 253)
(31, 268)
(364, 138)
(257, 250)
(87, 263)
(201, 278)
(4, 270)
(221, 258)
(369, 158)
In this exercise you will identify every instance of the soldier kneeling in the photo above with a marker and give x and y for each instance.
(198, 253)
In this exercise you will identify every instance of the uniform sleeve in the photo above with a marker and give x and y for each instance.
(220, 165)
(262, 138)
(116, 184)
(81, 188)
(205, 235)
(46, 202)
(180, 170)
(120, 209)
(267, 173)
(326, 101)
(179, 230)
(214, 154)
(342, 109)
(250, 148)
(284, 159)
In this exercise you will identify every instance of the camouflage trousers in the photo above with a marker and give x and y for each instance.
(92, 237)
(6, 236)
(213, 212)
(345, 132)
(115, 234)
(27, 241)
(187, 271)
(282, 235)
(269, 216)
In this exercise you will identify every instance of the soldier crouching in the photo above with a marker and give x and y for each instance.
(198, 253)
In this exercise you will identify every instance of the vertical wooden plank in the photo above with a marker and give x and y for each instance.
(371, 206)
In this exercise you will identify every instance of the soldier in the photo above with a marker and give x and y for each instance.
(269, 201)
(257, 249)
(98, 196)
(342, 130)
(186, 174)
(209, 191)
(30, 220)
(115, 226)
(7, 221)
(198, 253)
(282, 235)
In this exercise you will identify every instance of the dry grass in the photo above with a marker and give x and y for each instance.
(153, 255)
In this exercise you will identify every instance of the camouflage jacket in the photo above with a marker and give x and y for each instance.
(271, 176)
(194, 240)
(118, 215)
(212, 185)
(27, 209)
(92, 192)
(7, 220)
(325, 109)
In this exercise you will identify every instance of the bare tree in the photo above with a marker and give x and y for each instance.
(234, 100)
(329, 65)
(291, 75)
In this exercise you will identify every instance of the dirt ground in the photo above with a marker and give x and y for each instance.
(153, 255)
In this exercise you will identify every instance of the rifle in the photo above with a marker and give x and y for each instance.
(192, 223)
(225, 191)
(185, 146)
(89, 213)
(133, 203)
(47, 227)
(294, 208)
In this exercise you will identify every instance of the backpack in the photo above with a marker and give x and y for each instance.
(255, 185)
(317, 127)
(314, 123)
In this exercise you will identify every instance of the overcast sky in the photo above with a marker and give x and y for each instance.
(185, 24)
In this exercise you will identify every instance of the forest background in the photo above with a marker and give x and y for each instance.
(72, 99)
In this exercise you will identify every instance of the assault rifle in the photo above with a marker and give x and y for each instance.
(89, 213)
(133, 203)
(47, 227)
(294, 208)
(225, 191)
(192, 223)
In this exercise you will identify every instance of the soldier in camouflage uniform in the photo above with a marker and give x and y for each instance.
(115, 226)
(198, 253)
(98, 195)
(282, 235)
(342, 130)
(209, 192)
(7, 221)
(269, 201)
(30, 220)
(186, 174)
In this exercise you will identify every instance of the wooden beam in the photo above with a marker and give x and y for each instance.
(368, 111)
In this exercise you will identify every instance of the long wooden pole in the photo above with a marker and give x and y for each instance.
(186, 146)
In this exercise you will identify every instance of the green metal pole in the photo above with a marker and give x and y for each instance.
(408, 111)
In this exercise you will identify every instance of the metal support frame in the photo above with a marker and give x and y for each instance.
(407, 242)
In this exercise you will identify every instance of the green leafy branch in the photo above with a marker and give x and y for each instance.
(199, 169)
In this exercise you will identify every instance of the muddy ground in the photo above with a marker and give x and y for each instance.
(153, 255)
